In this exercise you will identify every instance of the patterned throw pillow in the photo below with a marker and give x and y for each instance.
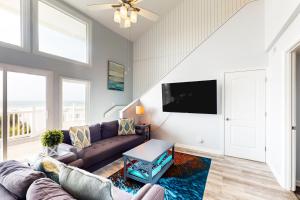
(80, 136)
(126, 127)
(49, 166)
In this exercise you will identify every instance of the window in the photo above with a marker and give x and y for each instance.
(62, 34)
(75, 98)
(11, 22)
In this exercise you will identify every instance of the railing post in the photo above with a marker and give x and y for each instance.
(33, 128)
(18, 124)
(8, 125)
(73, 112)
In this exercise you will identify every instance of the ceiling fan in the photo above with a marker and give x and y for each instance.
(126, 12)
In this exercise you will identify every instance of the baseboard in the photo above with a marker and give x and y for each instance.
(199, 149)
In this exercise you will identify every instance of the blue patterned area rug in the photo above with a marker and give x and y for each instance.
(186, 179)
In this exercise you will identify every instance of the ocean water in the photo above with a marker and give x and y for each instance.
(38, 104)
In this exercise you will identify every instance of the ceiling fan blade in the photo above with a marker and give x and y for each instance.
(148, 14)
(101, 6)
(136, 1)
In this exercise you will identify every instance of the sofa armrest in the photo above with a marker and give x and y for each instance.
(67, 147)
(150, 192)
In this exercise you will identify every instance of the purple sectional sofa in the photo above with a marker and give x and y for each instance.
(107, 146)
(19, 182)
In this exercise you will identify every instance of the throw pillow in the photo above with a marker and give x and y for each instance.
(50, 167)
(80, 136)
(46, 189)
(16, 177)
(84, 185)
(126, 127)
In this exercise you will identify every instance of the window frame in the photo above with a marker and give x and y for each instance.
(61, 7)
(25, 28)
(49, 75)
(87, 97)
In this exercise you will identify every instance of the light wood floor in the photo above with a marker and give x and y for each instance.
(230, 179)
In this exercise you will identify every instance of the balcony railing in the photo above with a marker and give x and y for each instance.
(29, 122)
(73, 115)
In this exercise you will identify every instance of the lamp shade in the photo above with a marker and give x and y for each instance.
(139, 110)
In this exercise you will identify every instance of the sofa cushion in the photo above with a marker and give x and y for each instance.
(126, 127)
(46, 189)
(84, 185)
(80, 136)
(17, 178)
(150, 192)
(109, 129)
(95, 132)
(67, 138)
(5, 194)
(107, 148)
(120, 194)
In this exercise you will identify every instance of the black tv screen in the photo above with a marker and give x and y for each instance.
(190, 97)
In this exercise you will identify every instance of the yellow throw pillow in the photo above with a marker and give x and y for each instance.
(49, 166)
(80, 136)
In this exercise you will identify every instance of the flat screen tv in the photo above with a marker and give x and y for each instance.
(190, 97)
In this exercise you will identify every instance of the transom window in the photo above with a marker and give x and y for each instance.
(11, 22)
(61, 33)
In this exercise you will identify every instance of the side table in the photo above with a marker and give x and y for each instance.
(143, 129)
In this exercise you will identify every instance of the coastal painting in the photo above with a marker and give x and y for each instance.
(115, 76)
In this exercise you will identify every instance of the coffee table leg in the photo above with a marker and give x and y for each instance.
(125, 167)
(150, 172)
(173, 153)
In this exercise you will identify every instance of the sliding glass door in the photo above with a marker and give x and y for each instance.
(26, 114)
(23, 112)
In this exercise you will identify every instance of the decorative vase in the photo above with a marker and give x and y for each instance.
(51, 151)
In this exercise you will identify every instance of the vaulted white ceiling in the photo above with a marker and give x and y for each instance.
(105, 17)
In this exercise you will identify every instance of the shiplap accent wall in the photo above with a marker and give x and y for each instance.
(175, 36)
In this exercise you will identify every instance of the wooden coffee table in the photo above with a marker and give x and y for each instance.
(148, 162)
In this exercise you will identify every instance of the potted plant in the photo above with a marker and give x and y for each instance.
(50, 140)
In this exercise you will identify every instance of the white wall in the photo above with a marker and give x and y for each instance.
(238, 45)
(178, 33)
(278, 13)
(106, 45)
(277, 102)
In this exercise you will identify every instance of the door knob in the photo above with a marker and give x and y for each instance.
(227, 119)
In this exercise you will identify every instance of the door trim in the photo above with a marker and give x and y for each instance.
(224, 108)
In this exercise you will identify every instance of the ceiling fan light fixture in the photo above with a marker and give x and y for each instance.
(127, 23)
(133, 17)
(123, 11)
(117, 16)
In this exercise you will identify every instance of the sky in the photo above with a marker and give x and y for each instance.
(27, 87)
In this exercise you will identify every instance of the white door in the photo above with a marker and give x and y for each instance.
(245, 115)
